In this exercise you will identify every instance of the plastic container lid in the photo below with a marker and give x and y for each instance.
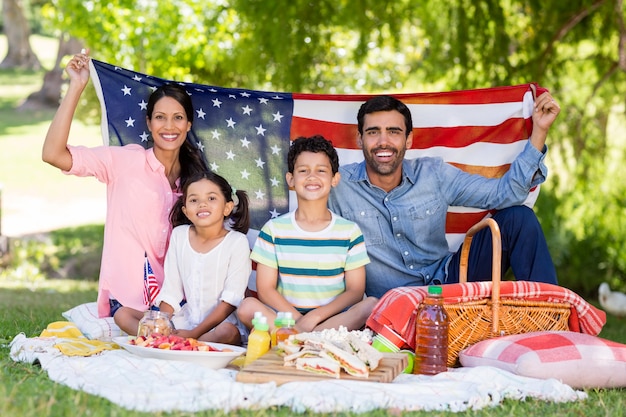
(257, 315)
(288, 319)
(261, 324)
(435, 290)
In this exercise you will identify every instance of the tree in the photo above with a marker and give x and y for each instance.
(50, 93)
(19, 53)
(576, 48)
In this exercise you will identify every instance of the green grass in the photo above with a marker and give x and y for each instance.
(30, 301)
(25, 390)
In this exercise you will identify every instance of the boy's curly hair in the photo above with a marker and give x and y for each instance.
(315, 144)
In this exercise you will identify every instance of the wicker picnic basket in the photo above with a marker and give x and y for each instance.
(473, 321)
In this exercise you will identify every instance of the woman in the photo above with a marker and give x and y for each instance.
(142, 186)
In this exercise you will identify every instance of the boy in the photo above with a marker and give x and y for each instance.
(311, 262)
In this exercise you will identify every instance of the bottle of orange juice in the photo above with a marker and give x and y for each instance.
(287, 329)
(258, 341)
(278, 323)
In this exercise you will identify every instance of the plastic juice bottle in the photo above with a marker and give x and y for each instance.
(431, 335)
(258, 341)
(278, 323)
(288, 328)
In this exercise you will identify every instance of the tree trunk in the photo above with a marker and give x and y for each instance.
(19, 53)
(50, 93)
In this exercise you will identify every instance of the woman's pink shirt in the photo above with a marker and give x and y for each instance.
(139, 201)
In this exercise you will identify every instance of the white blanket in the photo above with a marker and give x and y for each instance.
(152, 385)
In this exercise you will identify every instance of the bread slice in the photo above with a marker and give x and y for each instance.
(318, 365)
(290, 360)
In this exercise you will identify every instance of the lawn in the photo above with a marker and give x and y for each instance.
(39, 198)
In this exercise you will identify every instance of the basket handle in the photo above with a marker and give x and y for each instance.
(496, 264)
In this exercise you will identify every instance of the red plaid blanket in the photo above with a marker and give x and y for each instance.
(395, 311)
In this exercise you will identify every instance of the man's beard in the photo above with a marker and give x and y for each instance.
(384, 168)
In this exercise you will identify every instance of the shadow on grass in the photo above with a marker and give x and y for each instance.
(17, 85)
(11, 118)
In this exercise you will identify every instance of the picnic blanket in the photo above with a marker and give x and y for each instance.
(395, 310)
(153, 385)
(71, 341)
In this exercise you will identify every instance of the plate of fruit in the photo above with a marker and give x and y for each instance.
(172, 347)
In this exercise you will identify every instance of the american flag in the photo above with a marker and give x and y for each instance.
(245, 134)
(150, 284)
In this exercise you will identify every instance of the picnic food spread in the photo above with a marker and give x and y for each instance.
(333, 353)
(311, 352)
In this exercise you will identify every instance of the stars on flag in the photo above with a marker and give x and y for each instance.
(242, 133)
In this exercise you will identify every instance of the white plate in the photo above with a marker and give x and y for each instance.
(214, 360)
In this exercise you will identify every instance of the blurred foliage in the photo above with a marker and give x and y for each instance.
(69, 253)
(24, 263)
(577, 49)
(79, 250)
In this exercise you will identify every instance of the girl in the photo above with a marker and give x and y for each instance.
(142, 187)
(207, 266)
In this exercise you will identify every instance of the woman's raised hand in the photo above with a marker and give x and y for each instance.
(78, 67)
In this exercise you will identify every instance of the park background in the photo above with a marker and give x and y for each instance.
(52, 224)
(576, 49)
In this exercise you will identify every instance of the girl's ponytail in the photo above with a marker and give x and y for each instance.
(240, 216)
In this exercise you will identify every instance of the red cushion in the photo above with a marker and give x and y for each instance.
(579, 360)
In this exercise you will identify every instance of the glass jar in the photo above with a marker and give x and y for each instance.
(155, 321)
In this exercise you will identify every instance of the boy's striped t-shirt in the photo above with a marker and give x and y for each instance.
(310, 265)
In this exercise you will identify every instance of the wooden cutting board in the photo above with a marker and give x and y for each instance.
(269, 367)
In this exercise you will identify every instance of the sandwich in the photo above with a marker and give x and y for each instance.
(317, 365)
(309, 340)
(348, 361)
(290, 360)
(366, 352)
(286, 347)
(295, 342)
(350, 353)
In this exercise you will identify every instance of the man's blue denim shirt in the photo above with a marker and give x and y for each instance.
(404, 229)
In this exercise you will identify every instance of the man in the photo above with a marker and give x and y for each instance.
(401, 204)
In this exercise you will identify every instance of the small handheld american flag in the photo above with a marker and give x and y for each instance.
(150, 285)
